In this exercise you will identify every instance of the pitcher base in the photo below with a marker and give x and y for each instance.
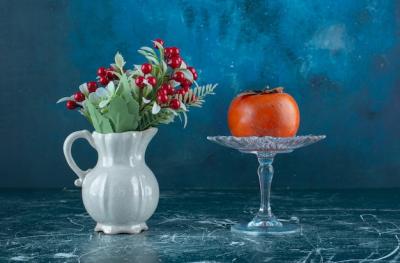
(126, 229)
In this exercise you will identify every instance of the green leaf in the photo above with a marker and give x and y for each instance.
(148, 119)
(133, 106)
(164, 66)
(185, 118)
(199, 92)
(148, 49)
(119, 61)
(100, 123)
(147, 90)
(123, 88)
(126, 91)
(152, 59)
(120, 117)
(144, 53)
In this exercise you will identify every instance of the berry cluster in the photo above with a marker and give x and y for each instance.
(143, 96)
(141, 81)
(166, 94)
(104, 76)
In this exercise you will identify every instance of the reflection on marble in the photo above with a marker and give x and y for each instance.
(193, 226)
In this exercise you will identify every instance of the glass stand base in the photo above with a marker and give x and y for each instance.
(283, 229)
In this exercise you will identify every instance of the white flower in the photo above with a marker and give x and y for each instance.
(145, 101)
(102, 96)
(84, 89)
(156, 108)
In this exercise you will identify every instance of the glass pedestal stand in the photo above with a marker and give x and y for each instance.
(265, 148)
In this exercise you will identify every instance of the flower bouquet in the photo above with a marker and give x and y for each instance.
(136, 99)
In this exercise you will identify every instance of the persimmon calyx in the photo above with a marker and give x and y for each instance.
(265, 91)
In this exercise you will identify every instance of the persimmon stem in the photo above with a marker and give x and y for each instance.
(274, 90)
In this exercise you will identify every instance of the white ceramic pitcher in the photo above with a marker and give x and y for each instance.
(120, 193)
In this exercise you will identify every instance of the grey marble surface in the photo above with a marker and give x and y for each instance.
(193, 226)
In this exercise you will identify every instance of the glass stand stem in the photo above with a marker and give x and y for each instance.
(264, 217)
(265, 175)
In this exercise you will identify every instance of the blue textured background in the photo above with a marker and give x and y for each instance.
(339, 59)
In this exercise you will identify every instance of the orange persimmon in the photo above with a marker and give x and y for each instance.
(264, 113)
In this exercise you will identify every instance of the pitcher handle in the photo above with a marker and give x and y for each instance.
(84, 134)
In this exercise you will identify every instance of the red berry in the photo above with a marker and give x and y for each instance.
(175, 104)
(162, 98)
(162, 92)
(79, 96)
(178, 76)
(160, 41)
(139, 81)
(175, 62)
(181, 92)
(92, 86)
(193, 70)
(186, 82)
(146, 68)
(110, 75)
(71, 104)
(104, 80)
(102, 71)
(167, 52)
(185, 88)
(174, 51)
(165, 86)
(168, 88)
(152, 81)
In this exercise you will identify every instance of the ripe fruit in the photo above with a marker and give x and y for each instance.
(178, 76)
(110, 75)
(79, 96)
(193, 71)
(160, 41)
(168, 88)
(167, 52)
(152, 81)
(170, 52)
(139, 81)
(102, 71)
(162, 98)
(186, 83)
(175, 62)
(174, 104)
(103, 80)
(146, 68)
(195, 76)
(92, 86)
(174, 52)
(162, 92)
(181, 92)
(264, 113)
(71, 104)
